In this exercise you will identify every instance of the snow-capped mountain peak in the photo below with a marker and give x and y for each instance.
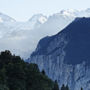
(34, 29)
(38, 18)
(5, 18)
(69, 12)
(88, 10)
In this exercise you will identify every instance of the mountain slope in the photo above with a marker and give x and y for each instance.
(66, 56)
(12, 35)
(15, 74)
(21, 38)
(5, 18)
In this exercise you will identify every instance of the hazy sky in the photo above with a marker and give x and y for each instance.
(22, 10)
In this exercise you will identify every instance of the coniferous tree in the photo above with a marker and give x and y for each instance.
(67, 88)
(81, 88)
(63, 87)
(43, 72)
(15, 74)
(56, 87)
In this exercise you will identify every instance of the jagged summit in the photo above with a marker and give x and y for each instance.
(69, 12)
(38, 18)
(82, 19)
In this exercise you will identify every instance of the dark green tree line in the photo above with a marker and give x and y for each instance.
(15, 74)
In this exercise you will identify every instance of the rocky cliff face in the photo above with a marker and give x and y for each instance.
(65, 57)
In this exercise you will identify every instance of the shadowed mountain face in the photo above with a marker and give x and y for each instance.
(77, 50)
(78, 47)
(65, 57)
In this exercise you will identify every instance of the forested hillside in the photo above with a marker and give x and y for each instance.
(15, 74)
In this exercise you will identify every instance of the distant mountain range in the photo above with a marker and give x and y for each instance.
(65, 57)
(22, 37)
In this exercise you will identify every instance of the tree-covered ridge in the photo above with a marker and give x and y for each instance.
(15, 74)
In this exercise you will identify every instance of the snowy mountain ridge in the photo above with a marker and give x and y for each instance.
(5, 18)
(24, 36)
(39, 18)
